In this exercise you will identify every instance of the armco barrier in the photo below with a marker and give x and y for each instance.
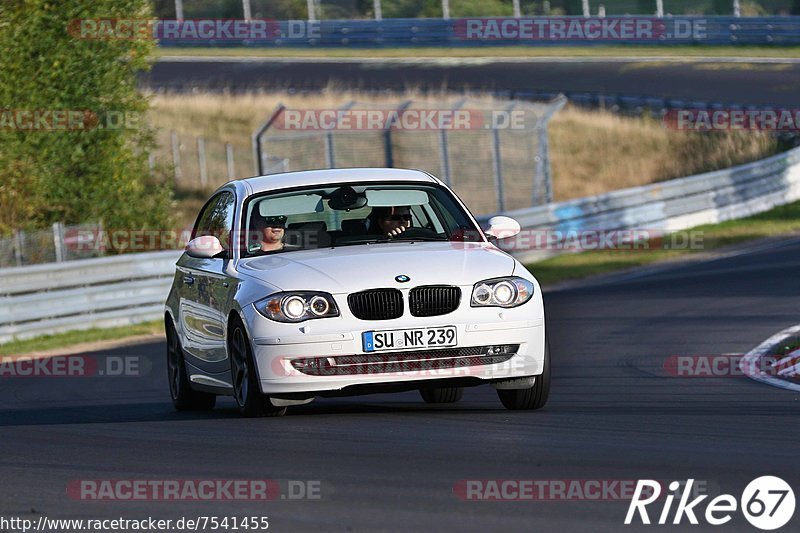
(104, 292)
(711, 30)
(671, 205)
(91, 293)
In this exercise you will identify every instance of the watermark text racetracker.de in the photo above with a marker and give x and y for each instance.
(733, 119)
(581, 240)
(220, 30)
(74, 366)
(413, 119)
(170, 490)
(581, 28)
(68, 120)
(721, 366)
(552, 490)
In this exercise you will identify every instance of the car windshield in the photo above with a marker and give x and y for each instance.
(353, 214)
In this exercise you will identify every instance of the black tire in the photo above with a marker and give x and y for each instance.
(442, 395)
(246, 389)
(184, 398)
(534, 397)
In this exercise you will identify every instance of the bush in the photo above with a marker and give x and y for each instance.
(75, 174)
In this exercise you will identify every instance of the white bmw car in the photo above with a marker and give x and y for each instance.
(350, 281)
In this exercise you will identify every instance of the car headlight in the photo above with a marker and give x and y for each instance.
(501, 292)
(297, 306)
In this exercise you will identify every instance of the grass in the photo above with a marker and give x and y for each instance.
(495, 51)
(74, 338)
(592, 152)
(778, 221)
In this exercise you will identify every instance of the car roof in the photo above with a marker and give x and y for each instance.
(303, 178)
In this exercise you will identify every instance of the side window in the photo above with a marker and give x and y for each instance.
(216, 219)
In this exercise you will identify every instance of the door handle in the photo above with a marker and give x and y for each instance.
(189, 280)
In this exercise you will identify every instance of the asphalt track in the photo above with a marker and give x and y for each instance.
(389, 462)
(764, 83)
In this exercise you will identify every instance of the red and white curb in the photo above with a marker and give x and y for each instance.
(788, 366)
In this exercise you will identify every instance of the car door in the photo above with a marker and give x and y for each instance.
(202, 315)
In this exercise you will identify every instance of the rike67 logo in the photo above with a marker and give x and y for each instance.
(767, 503)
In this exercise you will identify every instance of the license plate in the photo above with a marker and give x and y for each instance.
(403, 339)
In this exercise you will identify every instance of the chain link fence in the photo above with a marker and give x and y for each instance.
(493, 154)
(55, 245)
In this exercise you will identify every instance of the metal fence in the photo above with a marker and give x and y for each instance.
(669, 206)
(200, 163)
(499, 160)
(54, 245)
(388, 9)
(78, 295)
(704, 30)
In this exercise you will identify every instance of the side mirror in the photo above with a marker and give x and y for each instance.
(205, 247)
(500, 227)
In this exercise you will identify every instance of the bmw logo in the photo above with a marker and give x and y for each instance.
(402, 278)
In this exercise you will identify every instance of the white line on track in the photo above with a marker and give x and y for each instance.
(750, 362)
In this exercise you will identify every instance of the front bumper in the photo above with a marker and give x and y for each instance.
(276, 345)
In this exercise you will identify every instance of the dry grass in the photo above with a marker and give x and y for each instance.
(592, 151)
(596, 151)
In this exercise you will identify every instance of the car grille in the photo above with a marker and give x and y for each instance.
(433, 300)
(376, 304)
(384, 363)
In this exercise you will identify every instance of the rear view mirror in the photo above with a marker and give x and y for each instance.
(501, 227)
(205, 247)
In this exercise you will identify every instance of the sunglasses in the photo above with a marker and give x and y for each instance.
(275, 222)
(398, 218)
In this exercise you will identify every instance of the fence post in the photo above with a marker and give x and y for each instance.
(737, 8)
(246, 9)
(585, 7)
(19, 238)
(330, 160)
(259, 158)
(659, 8)
(445, 149)
(176, 157)
(543, 175)
(387, 135)
(58, 242)
(498, 169)
(517, 12)
(201, 161)
(230, 161)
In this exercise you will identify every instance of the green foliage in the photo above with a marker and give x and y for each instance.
(78, 173)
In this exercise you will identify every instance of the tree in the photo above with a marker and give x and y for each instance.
(93, 166)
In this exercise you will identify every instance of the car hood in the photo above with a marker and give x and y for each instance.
(355, 268)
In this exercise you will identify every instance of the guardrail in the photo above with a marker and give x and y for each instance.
(678, 30)
(84, 294)
(109, 291)
(668, 206)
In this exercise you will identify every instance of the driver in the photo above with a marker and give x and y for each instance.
(390, 221)
(271, 231)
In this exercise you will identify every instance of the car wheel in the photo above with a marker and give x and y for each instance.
(246, 389)
(534, 397)
(442, 394)
(184, 398)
